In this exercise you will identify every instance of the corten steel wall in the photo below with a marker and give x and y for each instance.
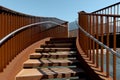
(73, 33)
(100, 23)
(11, 20)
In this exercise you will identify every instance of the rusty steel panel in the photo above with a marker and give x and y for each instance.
(11, 20)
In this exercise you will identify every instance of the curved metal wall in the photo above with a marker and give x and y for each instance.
(11, 20)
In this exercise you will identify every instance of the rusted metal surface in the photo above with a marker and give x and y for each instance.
(104, 22)
(73, 33)
(11, 71)
(12, 21)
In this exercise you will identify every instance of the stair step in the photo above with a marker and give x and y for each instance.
(34, 63)
(84, 77)
(54, 49)
(52, 55)
(56, 60)
(63, 39)
(58, 45)
(59, 42)
(48, 73)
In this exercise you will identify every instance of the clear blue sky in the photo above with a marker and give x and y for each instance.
(63, 9)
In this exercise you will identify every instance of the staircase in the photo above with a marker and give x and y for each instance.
(55, 60)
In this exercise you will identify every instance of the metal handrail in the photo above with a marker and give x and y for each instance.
(97, 41)
(12, 34)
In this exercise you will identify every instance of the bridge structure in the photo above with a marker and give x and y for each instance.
(39, 48)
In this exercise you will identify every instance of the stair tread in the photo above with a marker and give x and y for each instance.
(58, 45)
(59, 42)
(62, 44)
(53, 49)
(48, 62)
(50, 54)
(49, 72)
(63, 38)
(54, 55)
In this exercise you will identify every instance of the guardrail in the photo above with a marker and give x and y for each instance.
(12, 34)
(112, 9)
(18, 31)
(98, 42)
(93, 28)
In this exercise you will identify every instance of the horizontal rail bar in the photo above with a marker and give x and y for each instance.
(97, 41)
(12, 34)
(106, 7)
(109, 15)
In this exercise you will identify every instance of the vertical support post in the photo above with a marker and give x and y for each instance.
(102, 42)
(114, 48)
(97, 46)
(1, 34)
(90, 39)
(93, 43)
(107, 53)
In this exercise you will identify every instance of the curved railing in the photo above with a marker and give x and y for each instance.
(12, 34)
(16, 41)
(97, 33)
(18, 31)
(98, 42)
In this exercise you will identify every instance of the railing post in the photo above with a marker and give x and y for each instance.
(90, 55)
(0, 38)
(93, 43)
(114, 48)
(97, 46)
(107, 53)
(101, 31)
